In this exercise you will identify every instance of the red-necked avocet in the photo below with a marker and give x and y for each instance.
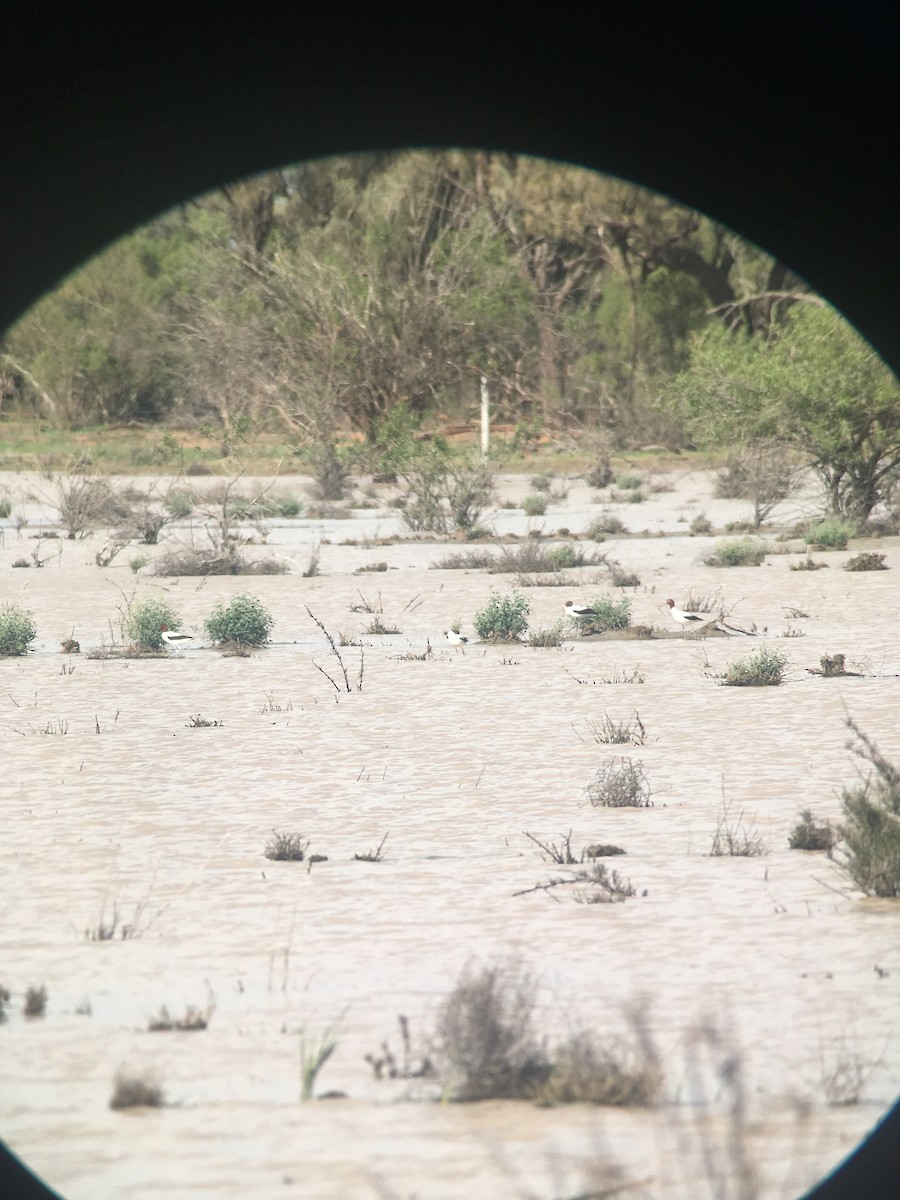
(572, 609)
(690, 620)
(174, 639)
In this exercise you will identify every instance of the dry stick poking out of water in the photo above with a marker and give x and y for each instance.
(337, 655)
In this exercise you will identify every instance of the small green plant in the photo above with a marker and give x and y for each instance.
(871, 827)
(194, 1019)
(831, 532)
(17, 630)
(35, 1002)
(375, 855)
(136, 1091)
(541, 483)
(534, 506)
(377, 626)
(737, 552)
(179, 504)
(503, 619)
(765, 668)
(628, 481)
(144, 619)
(5, 997)
(700, 525)
(547, 639)
(810, 834)
(5, 508)
(243, 620)
(314, 1054)
(288, 507)
(866, 562)
(606, 523)
(621, 783)
(138, 563)
(286, 847)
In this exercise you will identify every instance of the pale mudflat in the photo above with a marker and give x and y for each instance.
(111, 801)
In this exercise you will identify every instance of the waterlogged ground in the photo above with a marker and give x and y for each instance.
(114, 804)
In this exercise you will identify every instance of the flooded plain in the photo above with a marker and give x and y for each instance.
(769, 986)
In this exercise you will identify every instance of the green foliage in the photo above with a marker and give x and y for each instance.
(765, 668)
(534, 506)
(17, 629)
(810, 834)
(144, 619)
(608, 523)
(503, 619)
(813, 384)
(871, 827)
(179, 504)
(832, 532)
(737, 552)
(243, 620)
(444, 490)
(5, 507)
(608, 614)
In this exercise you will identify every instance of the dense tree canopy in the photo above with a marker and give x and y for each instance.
(813, 384)
(322, 296)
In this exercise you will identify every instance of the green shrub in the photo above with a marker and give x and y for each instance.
(871, 827)
(765, 668)
(144, 620)
(5, 508)
(608, 614)
(243, 620)
(540, 483)
(288, 506)
(701, 524)
(179, 504)
(600, 475)
(629, 481)
(503, 619)
(17, 629)
(534, 506)
(607, 523)
(810, 834)
(737, 552)
(832, 532)
(138, 563)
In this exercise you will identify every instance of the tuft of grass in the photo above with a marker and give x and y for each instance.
(286, 847)
(314, 1054)
(465, 560)
(833, 533)
(547, 639)
(5, 507)
(503, 619)
(606, 523)
(375, 855)
(735, 839)
(765, 668)
(17, 630)
(700, 525)
(136, 1091)
(377, 626)
(810, 834)
(5, 997)
(585, 1072)
(244, 620)
(534, 506)
(194, 1019)
(737, 552)
(35, 1002)
(621, 783)
(532, 557)
(808, 564)
(608, 731)
(866, 562)
(871, 827)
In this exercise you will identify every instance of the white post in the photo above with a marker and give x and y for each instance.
(485, 417)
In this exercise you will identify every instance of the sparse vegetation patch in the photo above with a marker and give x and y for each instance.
(17, 630)
(765, 668)
(621, 783)
(870, 830)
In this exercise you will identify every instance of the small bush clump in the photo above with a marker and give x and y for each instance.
(179, 504)
(600, 475)
(243, 620)
(765, 668)
(136, 1091)
(503, 619)
(737, 552)
(621, 783)
(144, 620)
(810, 834)
(17, 630)
(701, 524)
(871, 826)
(831, 532)
(865, 562)
(465, 560)
(5, 507)
(35, 1002)
(608, 523)
(547, 638)
(534, 506)
(286, 847)
(608, 614)
(734, 839)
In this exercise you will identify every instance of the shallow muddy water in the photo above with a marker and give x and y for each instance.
(113, 803)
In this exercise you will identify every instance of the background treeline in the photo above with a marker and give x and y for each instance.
(334, 290)
(355, 294)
